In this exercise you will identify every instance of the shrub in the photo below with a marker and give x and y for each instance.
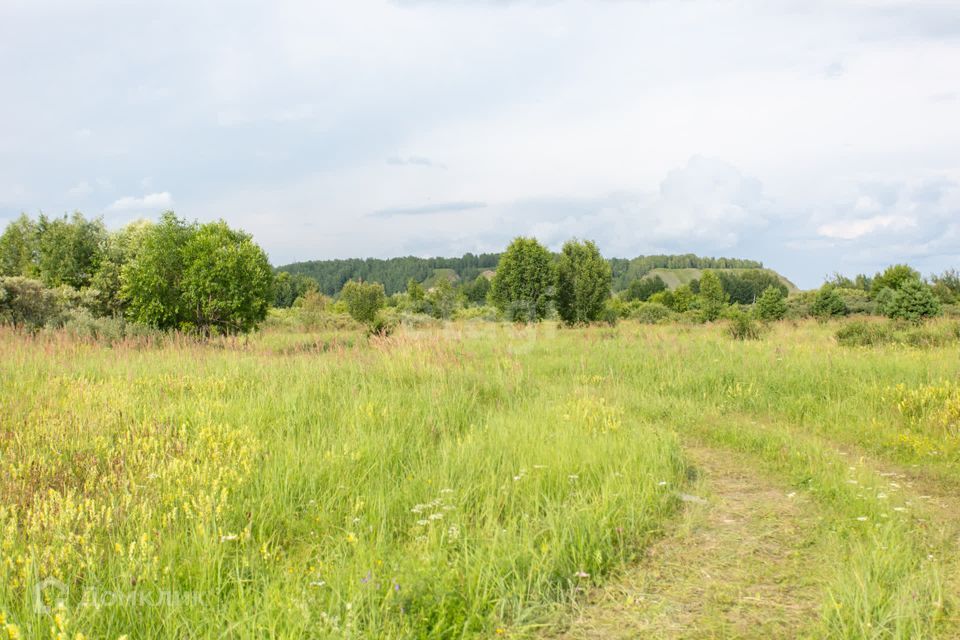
(650, 312)
(583, 282)
(742, 326)
(311, 307)
(913, 301)
(363, 300)
(27, 303)
(712, 297)
(382, 327)
(828, 303)
(863, 334)
(523, 285)
(857, 301)
(772, 304)
(85, 326)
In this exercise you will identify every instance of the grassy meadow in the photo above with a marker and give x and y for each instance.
(473, 479)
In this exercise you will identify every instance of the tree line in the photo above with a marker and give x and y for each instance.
(171, 274)
(395, 273)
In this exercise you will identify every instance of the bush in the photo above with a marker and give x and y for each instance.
(868, 334)
(863, 334)
(828, 303)
(772, 304)
(27, 303)
(83, 325)
(649, 312)
(857, 301)
(742, 326)
(363, 300)
(913, 301)
(382, 327)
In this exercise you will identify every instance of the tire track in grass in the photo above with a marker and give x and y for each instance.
(739, 562)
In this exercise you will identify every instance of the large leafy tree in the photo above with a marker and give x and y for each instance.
(583, 282)
(712, 297)
(122, 246)
(524, 282)
(69, 250)
(19, 248)
(287, 288)
(151, 282)
(208, 278)
(643, 288)
(227, 282)
(893, 278)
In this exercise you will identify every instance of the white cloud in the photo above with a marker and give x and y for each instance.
(80, 190)
(298, 119)
(150, 202)
(853, 229)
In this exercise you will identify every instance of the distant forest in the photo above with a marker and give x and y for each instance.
(394, 273)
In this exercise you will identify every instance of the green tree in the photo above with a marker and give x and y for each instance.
(19, 248)
(583, 282)
(946, 286)
(772, 304)
(150, 283)
(642, 288)
(476, 291)
(524, 282)
(121, 247)
(415, 290)
(683, 299)
(913, 301)
(442, 299)
(893, 278)
(208, 278)
(227, 282)
(69, 250)
(828, 303)
(712, 297)
(27, 303)
(363, 299)
(311, 307)
(288, 288)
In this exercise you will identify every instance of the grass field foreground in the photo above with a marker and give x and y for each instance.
(468, 481)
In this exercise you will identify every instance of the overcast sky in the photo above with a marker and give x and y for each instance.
(814, 136)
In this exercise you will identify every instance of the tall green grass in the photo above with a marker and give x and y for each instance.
(450, 482)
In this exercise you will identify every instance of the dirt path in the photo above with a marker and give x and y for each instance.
(740, 562)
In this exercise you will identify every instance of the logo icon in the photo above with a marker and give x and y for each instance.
(49, 590)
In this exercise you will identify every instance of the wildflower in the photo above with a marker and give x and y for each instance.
(436, 516)
(230, 537)
(351, 538)
(662, 483)
(862, 518)
(581, 574)
(317, 583)
(422, 523)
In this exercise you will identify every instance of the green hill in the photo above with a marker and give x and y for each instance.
(394, 273)
(673, 278)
